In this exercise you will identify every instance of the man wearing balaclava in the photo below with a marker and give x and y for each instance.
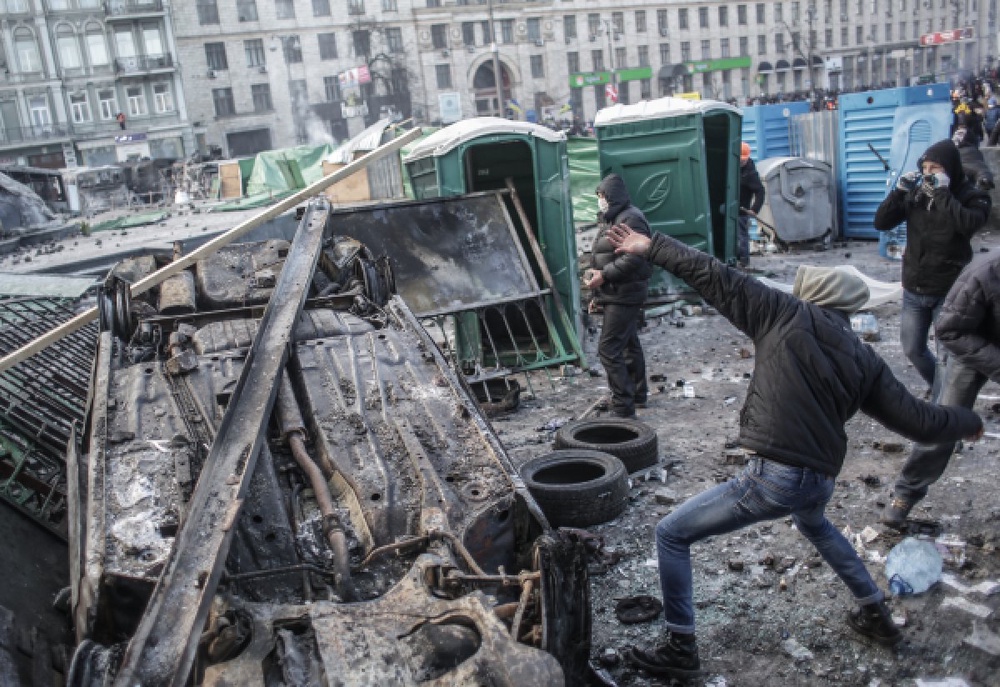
(619, 284)
(942, 209)
(811, 375)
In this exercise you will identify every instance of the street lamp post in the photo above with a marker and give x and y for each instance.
(497, 74)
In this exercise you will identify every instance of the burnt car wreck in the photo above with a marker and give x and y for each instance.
(283, 482)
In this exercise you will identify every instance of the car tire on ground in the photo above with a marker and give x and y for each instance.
(632, 442)
(577, 488)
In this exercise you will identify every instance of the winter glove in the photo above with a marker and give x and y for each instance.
(934, 181)
(907, 182)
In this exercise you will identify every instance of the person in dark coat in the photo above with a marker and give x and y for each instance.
(990, 121)
(942, 209)
(751, 201)
(811, 375)
(969, 329)
(968, 114)
(619, 284)
(973, 161)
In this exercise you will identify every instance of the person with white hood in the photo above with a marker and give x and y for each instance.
(811, 375)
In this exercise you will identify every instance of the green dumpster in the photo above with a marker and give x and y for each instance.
(480, 154)
(680, 161)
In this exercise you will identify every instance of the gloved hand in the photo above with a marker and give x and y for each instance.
(934, 181)
(942, 180)
(907, 182)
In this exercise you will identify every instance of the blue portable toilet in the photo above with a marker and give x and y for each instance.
(882, 133)
(765, 128)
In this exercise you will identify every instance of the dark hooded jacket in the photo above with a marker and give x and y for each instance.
(812, 373)
(969, 322)
(625, 276)
(939, 226)
(751, 189)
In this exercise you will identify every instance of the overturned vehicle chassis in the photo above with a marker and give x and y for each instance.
(283, 482)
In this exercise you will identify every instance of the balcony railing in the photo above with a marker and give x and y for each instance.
(31, 134)
(143, 63)
(138, 124)
(125, 8)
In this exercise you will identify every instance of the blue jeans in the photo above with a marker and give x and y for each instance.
(960, 385)
(765, 490)
(916, 317)
(743, 239)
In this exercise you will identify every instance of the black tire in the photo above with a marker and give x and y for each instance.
(632, 442)
(577, 488)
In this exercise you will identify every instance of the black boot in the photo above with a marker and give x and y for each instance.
(676, 657)
(875, 622)
(896, 512)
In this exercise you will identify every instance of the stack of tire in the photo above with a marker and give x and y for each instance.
(584, 481)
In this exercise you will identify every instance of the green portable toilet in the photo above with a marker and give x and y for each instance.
(680, 160)
(479, 154)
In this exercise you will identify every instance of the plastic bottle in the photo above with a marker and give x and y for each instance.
(912, 567)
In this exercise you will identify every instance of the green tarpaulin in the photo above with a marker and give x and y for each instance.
(131, 221)
(584, 175)
(291, 169)
(251, 202)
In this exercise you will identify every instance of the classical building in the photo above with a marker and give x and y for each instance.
(85, 82)
(272, 73)
(251, 75)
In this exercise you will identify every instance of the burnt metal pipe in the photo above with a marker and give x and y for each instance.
(295, 511)
(293, 430)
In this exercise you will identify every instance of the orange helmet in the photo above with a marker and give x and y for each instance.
(744, 151)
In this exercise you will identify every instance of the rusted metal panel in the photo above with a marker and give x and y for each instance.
(437, 533)
(162, 650)
(447, 254)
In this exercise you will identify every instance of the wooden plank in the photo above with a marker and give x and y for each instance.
(230, 180)
(353, 189)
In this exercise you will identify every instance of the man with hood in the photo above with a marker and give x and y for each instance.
(942, 209)
(969, 329)
(811, 375)
(619, 284)
(751, 201)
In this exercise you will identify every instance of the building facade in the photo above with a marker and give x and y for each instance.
(86, 82)
(251, 75)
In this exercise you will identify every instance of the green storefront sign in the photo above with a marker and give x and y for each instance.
(597, 78)
(722, 65)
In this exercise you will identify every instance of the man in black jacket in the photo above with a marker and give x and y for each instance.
(942, 209)
(619, 284)
(811, 375)
(751, 201)
(969, 328)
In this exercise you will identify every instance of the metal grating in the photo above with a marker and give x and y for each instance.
(41, 401)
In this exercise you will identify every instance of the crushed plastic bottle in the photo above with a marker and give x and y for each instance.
(912, 567)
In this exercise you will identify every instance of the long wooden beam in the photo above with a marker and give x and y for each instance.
(145, 284)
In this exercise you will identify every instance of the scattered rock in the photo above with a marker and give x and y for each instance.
(796, 650)
(609, 657)
(665, 496)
